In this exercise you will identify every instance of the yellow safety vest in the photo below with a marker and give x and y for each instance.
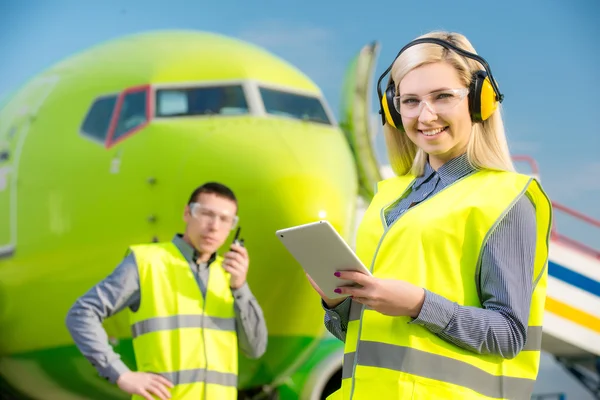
(188, 339)
(437, 245)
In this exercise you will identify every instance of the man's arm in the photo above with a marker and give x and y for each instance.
(250, 323)
(500, 327)
(84, 320)
(336, 318)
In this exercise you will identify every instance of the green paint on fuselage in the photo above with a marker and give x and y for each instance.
(80, 204)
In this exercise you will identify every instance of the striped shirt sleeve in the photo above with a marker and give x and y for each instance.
(506, 283)
(336, 319)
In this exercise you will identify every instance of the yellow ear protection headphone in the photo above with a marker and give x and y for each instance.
(484, 94)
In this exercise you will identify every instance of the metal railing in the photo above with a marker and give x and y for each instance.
(555, 235)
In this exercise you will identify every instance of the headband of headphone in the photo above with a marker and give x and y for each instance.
(484, 94)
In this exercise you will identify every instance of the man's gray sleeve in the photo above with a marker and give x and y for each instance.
(84, 320)
(250, 323)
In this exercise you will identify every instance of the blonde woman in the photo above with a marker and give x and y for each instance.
(457, 243)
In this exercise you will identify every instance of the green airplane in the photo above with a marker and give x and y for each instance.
(101, 151)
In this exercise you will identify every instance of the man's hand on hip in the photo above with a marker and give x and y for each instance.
(236, 263)
(145, 384)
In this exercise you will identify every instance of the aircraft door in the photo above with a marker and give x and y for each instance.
(16, 117)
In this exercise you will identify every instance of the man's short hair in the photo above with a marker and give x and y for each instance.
(215, 188)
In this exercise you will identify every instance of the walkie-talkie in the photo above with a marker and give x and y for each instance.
(237, 241)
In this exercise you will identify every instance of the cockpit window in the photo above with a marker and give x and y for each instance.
(113, 117)
(97, 120)
(132, 113)
(217, 100)
(294, 105)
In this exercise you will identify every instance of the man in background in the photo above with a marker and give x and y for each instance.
(189, 309)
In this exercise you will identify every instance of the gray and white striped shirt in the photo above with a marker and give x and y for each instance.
(505, 280)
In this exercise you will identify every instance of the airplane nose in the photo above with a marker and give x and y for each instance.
(303, 198)
(302, 176)
(306, 174)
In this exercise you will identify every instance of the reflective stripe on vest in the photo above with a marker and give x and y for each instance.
(433, 366)
(438, 244)
(201, 375)
(178, 333)
(182, 321)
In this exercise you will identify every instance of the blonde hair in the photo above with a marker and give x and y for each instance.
(487, 147)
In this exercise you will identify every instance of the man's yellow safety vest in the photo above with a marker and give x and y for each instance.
(187, 338)
(437, 245)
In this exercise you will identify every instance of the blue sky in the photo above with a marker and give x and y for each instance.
(543, 53)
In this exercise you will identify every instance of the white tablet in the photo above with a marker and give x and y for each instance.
(321, 251)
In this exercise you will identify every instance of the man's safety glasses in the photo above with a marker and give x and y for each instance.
(208, 214)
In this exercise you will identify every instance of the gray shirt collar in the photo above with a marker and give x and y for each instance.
(190, 253)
